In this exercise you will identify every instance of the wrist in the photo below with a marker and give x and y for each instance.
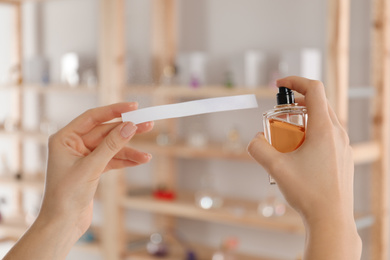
(48, 238)
(62, 230)
(334, 234)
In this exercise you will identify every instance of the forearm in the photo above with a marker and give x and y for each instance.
(336, 240)
(45, 240)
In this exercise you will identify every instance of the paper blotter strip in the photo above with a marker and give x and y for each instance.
(190, 108)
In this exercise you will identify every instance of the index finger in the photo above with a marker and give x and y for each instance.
(315, 98)
(93, 117)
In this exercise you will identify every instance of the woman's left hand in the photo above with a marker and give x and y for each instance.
(78, 155)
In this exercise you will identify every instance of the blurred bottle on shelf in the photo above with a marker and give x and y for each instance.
(254, 68)
(164, 193)
(37, 70)
(233, 141)
(304, 62)
(227, 250)
(229, 79)
(168, 77)
(164, 138)
(197, 136)
(70, 69)
(271, 206)
(206, 197)
(156, 246)
(193, 69)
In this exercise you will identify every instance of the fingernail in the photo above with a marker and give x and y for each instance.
(128, 130)
(149, 155)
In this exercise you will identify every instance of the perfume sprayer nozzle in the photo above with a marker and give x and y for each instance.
(285, 96)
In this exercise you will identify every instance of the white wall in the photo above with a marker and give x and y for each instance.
(223, 29)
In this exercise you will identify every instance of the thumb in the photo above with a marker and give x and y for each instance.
(264, 154)
(112, 144)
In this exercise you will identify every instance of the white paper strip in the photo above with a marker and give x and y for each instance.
(190, 108)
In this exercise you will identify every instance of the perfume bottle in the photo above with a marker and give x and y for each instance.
(285, 125)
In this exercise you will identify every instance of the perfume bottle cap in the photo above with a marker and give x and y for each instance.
(285, 96)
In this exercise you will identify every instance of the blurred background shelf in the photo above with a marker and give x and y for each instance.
(365, 152)
(27, 181)
(178, 250)
(233, 212)
(182, 150)
(186, 92)
(111, 54)
(204, 254)
(35, 135)
(13, 228)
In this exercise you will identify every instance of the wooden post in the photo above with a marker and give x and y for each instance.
(163, 36)
(163, 58)
(112, 80)
(17, 110)
(381, 130)
(164, 167)
(337, 58)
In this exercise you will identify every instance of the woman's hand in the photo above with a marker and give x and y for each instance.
(317, 178)
(78, 155)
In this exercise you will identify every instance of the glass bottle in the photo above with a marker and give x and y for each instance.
(285, 125)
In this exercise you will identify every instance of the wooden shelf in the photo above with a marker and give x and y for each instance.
(202, 254)
(10, 1)
(32, 183)
(35, 135)
(15, 2)
(363, 152)
(58, 88)
(233, 212)
(13, 228)
(53, 88)
(182, 150)
(177, 252)
(186, 92)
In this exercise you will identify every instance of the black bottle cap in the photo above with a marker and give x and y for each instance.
(285, 96)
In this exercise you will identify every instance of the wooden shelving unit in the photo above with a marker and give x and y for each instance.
(177, 251)
(13, 227)
(205, 254)
(112, 88)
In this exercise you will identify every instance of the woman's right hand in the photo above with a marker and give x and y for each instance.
(317, 178)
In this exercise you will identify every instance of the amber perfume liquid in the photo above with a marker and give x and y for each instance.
(285, 125)
(285, 137)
